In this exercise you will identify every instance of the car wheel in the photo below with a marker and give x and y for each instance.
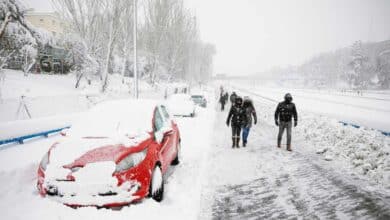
(157, 185)
(176, 161)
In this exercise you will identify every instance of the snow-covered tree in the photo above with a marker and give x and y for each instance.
(29, 55)
(383, 69)
(167, 36)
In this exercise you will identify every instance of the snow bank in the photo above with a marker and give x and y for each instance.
(365, 150)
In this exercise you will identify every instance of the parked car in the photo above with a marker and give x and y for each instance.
(199, 99)
(181, 105)
(117, 154)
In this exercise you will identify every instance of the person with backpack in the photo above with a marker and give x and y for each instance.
(250, 112)
(235, 119)
(284, 113)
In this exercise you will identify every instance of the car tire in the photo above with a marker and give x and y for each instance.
(157, 185)
(176, 161)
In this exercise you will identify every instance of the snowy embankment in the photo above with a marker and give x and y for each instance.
(182, 184)
(50, 100)
(360, 151)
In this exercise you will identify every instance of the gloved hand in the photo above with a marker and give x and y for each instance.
(227, 123)
(295, 123)
(276, 123)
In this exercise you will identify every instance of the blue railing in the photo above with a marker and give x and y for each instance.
(21, 139)
(386, 133)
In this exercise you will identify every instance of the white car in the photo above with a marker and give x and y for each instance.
(181, 105)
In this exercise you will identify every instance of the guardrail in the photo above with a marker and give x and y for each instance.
(386, 133)
(21, 139)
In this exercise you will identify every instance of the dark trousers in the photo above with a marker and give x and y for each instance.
(282, 126)
(222, 106)
(236, 130)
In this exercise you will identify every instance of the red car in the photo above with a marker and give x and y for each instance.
(117, 154)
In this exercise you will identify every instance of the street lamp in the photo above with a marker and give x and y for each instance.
(135, 50)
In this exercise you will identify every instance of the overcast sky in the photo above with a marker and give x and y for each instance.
(254, 35)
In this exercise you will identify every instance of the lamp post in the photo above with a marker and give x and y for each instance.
(135, 50)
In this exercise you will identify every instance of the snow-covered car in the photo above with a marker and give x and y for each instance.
(181, 105)
(117, 154)
(199, 99)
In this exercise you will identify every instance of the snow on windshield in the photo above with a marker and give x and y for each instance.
(116, 118)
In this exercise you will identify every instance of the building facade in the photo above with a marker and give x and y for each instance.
(50, 22)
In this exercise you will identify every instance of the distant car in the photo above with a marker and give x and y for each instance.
(199, 100)
(116, 155)
(181, 105)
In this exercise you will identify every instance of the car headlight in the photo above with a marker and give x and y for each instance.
(131, 160)
(45, 161)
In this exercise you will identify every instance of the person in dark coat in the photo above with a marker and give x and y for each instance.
(226, 96)
(284, 113)
(222, 100)
(236, 119)
(250, 112)
(233, 97)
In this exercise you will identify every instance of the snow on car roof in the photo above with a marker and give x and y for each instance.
(129, 117)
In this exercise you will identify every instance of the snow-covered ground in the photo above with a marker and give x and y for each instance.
(51, 100)
(363, 152)
(183, 185)
(335, 171)
(262, 181)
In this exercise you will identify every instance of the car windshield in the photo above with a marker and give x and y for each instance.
(115, 118)
(197, 98)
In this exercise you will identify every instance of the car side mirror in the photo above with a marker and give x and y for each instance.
(168, 132)
(64, 132)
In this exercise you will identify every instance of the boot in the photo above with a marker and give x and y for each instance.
(278, 144)
(289, 147)
(244, 143)
(234, 142)
(238, 142)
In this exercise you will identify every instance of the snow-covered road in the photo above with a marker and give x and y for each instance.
(264, 182)
(214, 181)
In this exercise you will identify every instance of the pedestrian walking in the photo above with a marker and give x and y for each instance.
(250, 112)
(233, 97)
(235, 119)
(222, 100)
(226, 97)
(284, 113)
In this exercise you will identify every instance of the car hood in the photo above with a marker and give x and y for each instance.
(79, 152)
